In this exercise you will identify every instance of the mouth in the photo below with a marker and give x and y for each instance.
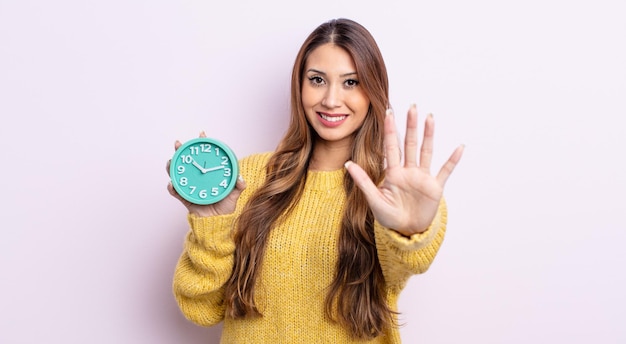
(331, 120)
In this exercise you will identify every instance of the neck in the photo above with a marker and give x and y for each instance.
(329, 157)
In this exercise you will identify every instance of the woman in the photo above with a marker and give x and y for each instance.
(317, 243)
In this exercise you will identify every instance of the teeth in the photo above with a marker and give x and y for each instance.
(333, 118)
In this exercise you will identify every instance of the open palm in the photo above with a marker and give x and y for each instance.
(408, 198)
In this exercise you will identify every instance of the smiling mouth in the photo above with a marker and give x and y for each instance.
(332, 118)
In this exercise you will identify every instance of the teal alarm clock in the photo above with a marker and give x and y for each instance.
(204, 170)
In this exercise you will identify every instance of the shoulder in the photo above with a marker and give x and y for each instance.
(255, 161)
(253, 167)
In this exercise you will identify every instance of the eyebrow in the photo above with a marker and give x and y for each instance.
(320, 72)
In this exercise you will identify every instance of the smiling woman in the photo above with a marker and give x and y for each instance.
(306, 250)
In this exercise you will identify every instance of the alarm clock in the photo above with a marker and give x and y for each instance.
(204, 170)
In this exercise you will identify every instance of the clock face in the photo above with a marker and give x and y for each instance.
(204, 170)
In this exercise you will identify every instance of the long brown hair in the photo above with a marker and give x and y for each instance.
(356, 298)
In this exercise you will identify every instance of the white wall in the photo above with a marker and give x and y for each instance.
(92, 97)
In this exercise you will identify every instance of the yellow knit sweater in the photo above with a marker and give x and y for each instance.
(298, 265)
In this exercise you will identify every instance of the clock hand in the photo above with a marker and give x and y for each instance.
(203, 170)
(214, 168)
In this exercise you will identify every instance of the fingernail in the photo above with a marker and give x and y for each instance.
(347, 164)
(240, 178)
(413, 105)
(389, 112)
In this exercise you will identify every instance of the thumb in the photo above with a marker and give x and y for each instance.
(362, 181)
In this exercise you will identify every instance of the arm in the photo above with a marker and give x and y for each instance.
(401, 257)
(408, 205)
(203, 269)
(207, 259)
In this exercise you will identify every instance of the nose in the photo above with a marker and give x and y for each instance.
(332, 97)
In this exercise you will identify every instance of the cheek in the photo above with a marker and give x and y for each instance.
(308, 97)
(308, 103)
(362, 103)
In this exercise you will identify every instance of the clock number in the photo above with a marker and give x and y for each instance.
(202, 194)
(187, 159)
(217, 151)
(181, 169)
(226, 172)
(194, 150)
(224, 184)
(206, 148)
(214, 191)
(183, 181)
(193, 188)
(224, 160)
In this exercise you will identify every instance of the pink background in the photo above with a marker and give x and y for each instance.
(92, 97)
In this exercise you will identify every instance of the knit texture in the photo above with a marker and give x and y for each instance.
(298, 266)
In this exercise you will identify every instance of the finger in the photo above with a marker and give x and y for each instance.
(363, 181)
(175, 194)
(167, 166)
(410, 139)
(426, 153)
(171, 190)
(177, 144)
(202, 134)
(448, 167)
(241, 184)
(392, 148)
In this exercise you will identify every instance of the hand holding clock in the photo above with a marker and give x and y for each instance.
(204, 194)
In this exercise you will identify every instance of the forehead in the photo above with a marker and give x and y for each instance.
(330, 58)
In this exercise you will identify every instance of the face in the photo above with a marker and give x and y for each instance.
(334, 102)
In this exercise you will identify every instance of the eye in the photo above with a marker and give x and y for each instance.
(316, 80)
(350, 83)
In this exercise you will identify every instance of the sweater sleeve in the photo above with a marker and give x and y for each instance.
(203, 269)
(401, 257)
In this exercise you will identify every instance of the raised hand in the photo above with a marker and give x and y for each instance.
(408, 199)
(225, 206)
